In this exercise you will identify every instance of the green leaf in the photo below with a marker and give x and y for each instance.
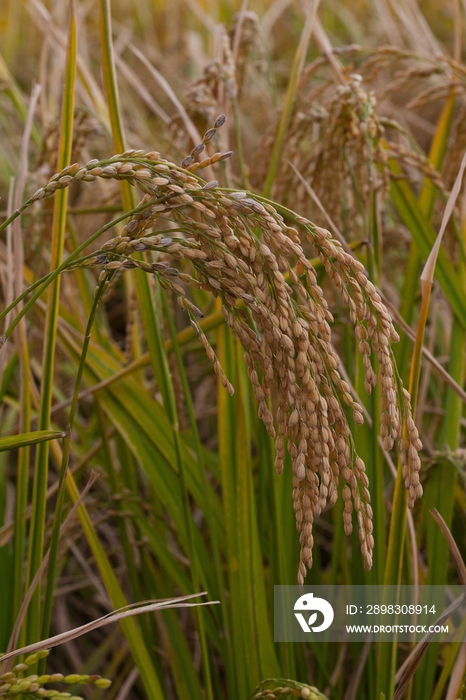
(36, 540)
(424, 236)
(13, 442)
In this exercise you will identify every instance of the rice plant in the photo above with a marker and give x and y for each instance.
(231, 331)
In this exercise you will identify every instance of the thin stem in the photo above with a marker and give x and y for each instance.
(52, 275)
(47, 610)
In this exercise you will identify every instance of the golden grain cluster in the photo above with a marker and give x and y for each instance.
(242, 250)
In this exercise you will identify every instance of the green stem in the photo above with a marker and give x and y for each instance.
(37, 531)
(47, 609)
(393, 567)
(48, 279)
(198, 446)
(160, 364)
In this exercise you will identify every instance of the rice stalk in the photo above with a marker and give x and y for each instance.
(36, 535)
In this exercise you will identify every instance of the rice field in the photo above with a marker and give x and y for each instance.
(233, 304)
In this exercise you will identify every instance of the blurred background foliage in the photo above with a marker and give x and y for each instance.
(373, 120)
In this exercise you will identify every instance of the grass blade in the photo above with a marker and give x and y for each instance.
(426, 203)
(14, 442)
(58, 235)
